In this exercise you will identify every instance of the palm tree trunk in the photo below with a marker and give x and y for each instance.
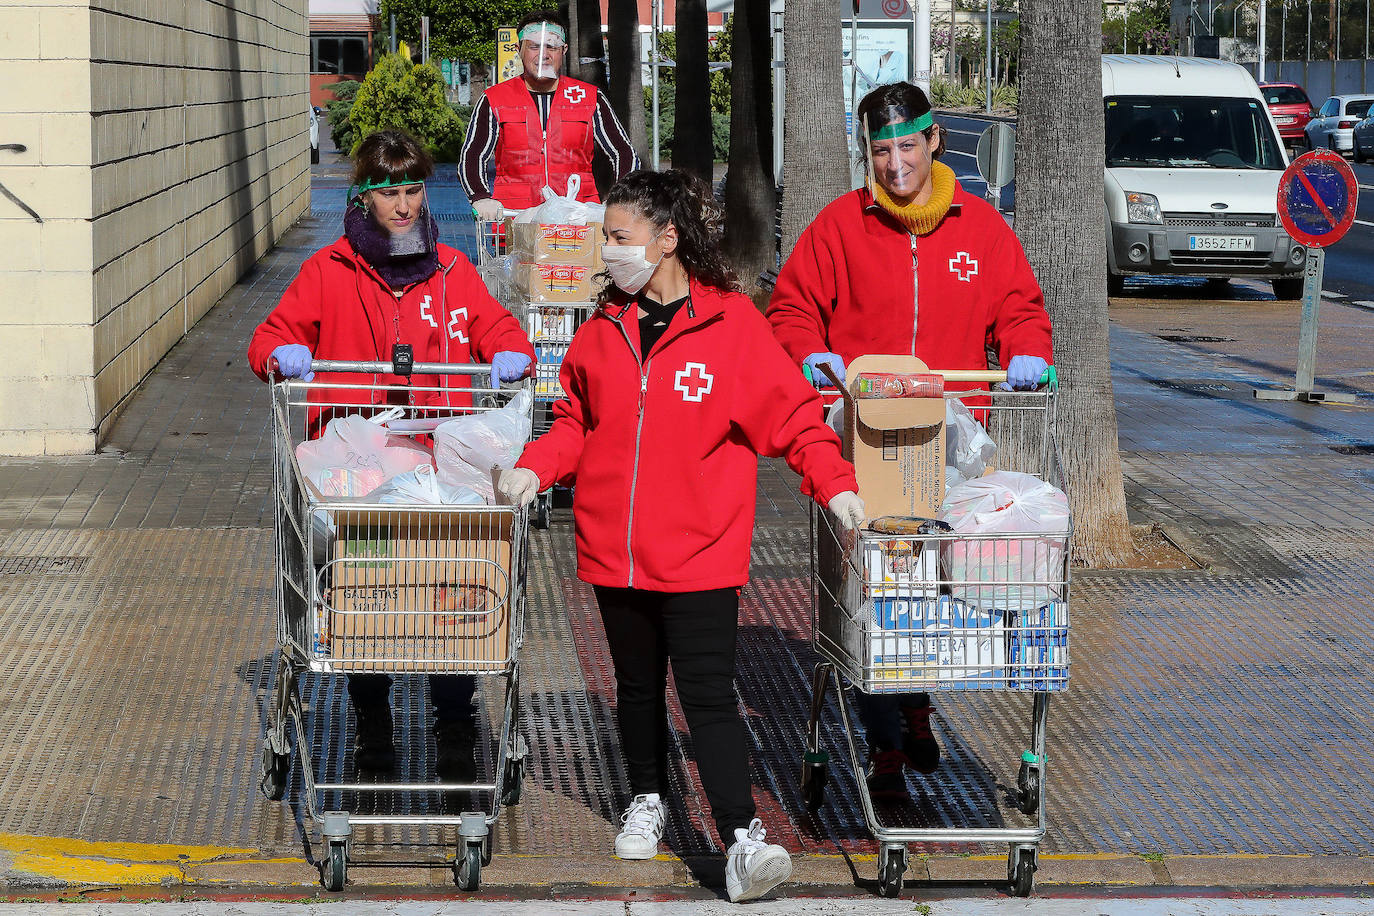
(750, 196)
(814, 154)
(590, 45)
(692, 106)
(626, 76)
(1060, 218)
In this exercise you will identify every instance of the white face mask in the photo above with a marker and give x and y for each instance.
(628, 267)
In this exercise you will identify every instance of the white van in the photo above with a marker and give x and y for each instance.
(1192, 174)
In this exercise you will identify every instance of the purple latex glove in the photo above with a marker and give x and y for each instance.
(1023, 373)
(507, 366)
(819, 378)
(293, 361)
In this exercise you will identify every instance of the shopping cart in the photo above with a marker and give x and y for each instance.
(367, 587)
(908, 606)
(550, 326)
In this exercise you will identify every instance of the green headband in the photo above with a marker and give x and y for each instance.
(355, 192)
(902, 128)
(534, 28)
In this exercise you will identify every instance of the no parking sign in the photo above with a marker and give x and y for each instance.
(1317, 197)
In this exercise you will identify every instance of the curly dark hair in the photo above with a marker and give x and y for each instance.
(899, 95)
(681, 198)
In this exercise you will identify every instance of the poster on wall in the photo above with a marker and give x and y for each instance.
(507, 54)
(883, 56)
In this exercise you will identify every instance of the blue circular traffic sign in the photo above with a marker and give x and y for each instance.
(1317, 197)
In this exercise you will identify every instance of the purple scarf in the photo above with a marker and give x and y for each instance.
(374, 244)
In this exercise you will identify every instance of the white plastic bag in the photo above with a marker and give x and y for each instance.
(563, 211)
(356, 454)
(498, 275)
(1021, 571)
(466, 448)
(968, 447)
(422, 487)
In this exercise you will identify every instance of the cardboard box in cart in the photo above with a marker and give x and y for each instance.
(420, 591)
(549, 243)
(556, 282)
(897, 444)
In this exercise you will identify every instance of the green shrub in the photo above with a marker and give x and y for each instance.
(667, 100)
(400, 94)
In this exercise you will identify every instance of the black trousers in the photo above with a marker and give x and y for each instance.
(451, 694)
(696, 632)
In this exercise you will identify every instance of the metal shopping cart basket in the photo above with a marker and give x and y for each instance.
(911, 608)
(367, 587)
(550, 326)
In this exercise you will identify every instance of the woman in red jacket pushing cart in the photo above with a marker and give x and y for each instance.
(389, 284)
(909, 264)
(674, 387)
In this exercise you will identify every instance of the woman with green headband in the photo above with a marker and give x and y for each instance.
(389, 282)
(908, 264)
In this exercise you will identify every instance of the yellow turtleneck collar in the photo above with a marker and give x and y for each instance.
(921, 219)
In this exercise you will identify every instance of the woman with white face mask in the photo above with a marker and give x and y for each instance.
(674, 387)
(909, 264)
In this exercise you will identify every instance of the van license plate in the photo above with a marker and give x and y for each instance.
(1221, 243)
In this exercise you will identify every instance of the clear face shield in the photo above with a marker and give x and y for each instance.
(545, 39)
(892, 123)
(401, 209)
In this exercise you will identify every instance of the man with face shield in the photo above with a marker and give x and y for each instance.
(674, 388)
(541, 128)
(386, 283)
(908, 264)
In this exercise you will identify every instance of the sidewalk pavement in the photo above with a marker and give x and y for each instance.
(1217, 731)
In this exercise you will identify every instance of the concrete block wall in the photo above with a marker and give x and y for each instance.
(166, 151)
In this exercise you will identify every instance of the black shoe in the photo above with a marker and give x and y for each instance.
(372, 745)
(918, 742)
(456, 743)
(886, 779)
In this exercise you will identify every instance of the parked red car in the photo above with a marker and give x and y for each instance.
(1291, 110)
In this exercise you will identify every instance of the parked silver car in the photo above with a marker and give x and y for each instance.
(1331, 127)
(1362, 139)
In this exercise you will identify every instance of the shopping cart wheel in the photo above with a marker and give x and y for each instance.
(512, 780)
(815, 774)
(1021, 867)
(467, 869)
(1028, 786)
(334, 868)
(891, 868)
(274, 771)
(542, 510)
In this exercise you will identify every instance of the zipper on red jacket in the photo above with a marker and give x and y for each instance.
(915, 296)
(639, 430)
(544, 146)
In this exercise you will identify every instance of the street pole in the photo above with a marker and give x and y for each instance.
(987, 89)
(779, 96)
(393, 33)
(1259, 39)
(921, 45)
(1125, 23)
(424, 39)
(1283, 35)
(657, 27)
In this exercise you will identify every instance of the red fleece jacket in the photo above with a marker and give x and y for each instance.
(340, 308)
(665, 450)
(849, 288)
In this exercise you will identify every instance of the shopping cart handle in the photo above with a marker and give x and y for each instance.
(387, 368)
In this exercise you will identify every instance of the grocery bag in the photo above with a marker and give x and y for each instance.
(356, 454)
(467, 448)
(1020, 571)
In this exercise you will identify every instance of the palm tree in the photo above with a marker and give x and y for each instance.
(692, 149)
(626, 79)
(815, 160)
(588, 46)
(751, 198)
(1059, 218)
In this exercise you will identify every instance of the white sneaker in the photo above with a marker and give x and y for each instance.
(753, 867)
(642, 828)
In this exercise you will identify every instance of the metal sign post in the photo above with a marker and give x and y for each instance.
(1317, 198)
(997, 159)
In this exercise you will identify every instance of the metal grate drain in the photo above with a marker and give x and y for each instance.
(42, 566)
(1355, 448)
(1194, 338)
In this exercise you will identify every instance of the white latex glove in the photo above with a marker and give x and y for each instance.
(489, 210)
(519, 485)
(848, 508)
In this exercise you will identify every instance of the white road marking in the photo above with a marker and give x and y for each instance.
(1365, 222)
(1332, 295)
(957, 153)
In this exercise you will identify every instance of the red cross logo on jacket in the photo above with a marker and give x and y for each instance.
(964, 266)
(693, 381)
(574, 94)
